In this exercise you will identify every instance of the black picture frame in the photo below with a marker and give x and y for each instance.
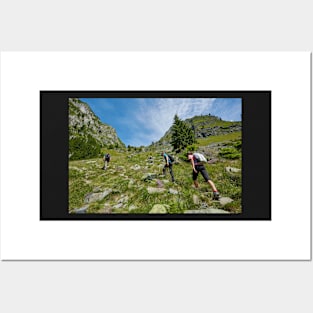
(256, 154)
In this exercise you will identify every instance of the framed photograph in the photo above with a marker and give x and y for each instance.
(155, 155)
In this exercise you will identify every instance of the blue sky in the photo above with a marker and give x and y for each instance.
(140, 121)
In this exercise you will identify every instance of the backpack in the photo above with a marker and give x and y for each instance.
(171, 159)
(107, 156)
(200, 157)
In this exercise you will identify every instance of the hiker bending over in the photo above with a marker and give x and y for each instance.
(197, 162)
(168, 164)
(106, 160)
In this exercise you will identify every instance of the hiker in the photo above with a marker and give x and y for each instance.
(197, 162)
(106, 160)
(168, 164)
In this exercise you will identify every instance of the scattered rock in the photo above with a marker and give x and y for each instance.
(105, 210)
(81, 210)
(224, 200)
(148, 176)
(159, 183)
(91, 197)
(152, 190)
(212, 161)
(173, 191)
(130, 183)
(195, 199)
(123, 199)
(209, 210)
(135, 167)
(118, 206)
(159, 209)
(132, 207)
(232, 169)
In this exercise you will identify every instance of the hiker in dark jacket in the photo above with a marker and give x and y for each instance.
(168, 164)
(198, 166)
(106, 160)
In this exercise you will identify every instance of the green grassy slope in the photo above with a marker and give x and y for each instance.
(202, 125)
(128, 192)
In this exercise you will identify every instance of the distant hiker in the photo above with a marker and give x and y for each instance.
(169, 160)
(197, 162)
(106, 160)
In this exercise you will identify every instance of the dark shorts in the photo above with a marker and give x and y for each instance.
(202, 170)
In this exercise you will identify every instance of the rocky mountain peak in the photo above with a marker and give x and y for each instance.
(86, 130)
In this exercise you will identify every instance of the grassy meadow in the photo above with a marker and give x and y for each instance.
(133, 183)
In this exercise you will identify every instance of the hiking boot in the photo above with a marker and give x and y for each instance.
(216, 195)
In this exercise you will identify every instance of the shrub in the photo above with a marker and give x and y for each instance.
(84, 147)
(230, 153)
(237, 145)
(191, 148)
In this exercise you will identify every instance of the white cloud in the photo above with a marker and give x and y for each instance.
(157, 116)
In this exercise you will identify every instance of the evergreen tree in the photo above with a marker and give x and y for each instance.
(182, 135)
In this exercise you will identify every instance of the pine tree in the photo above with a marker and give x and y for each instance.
(182, 134)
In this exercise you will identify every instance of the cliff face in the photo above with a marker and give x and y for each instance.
(86, 131)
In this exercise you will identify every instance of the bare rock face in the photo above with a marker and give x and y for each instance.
(84, 123)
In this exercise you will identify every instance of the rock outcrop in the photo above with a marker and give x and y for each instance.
(85, 126)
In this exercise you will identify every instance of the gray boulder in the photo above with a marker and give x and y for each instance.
(196, 199)
(118, 205)
(81, 210)
(152, 190)
(209, 210)
(225, 200)
(159, 209)
(148, 176)
(173, 191)
(212, 161)
(232, 169)
(132, 207)
(92, 197)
